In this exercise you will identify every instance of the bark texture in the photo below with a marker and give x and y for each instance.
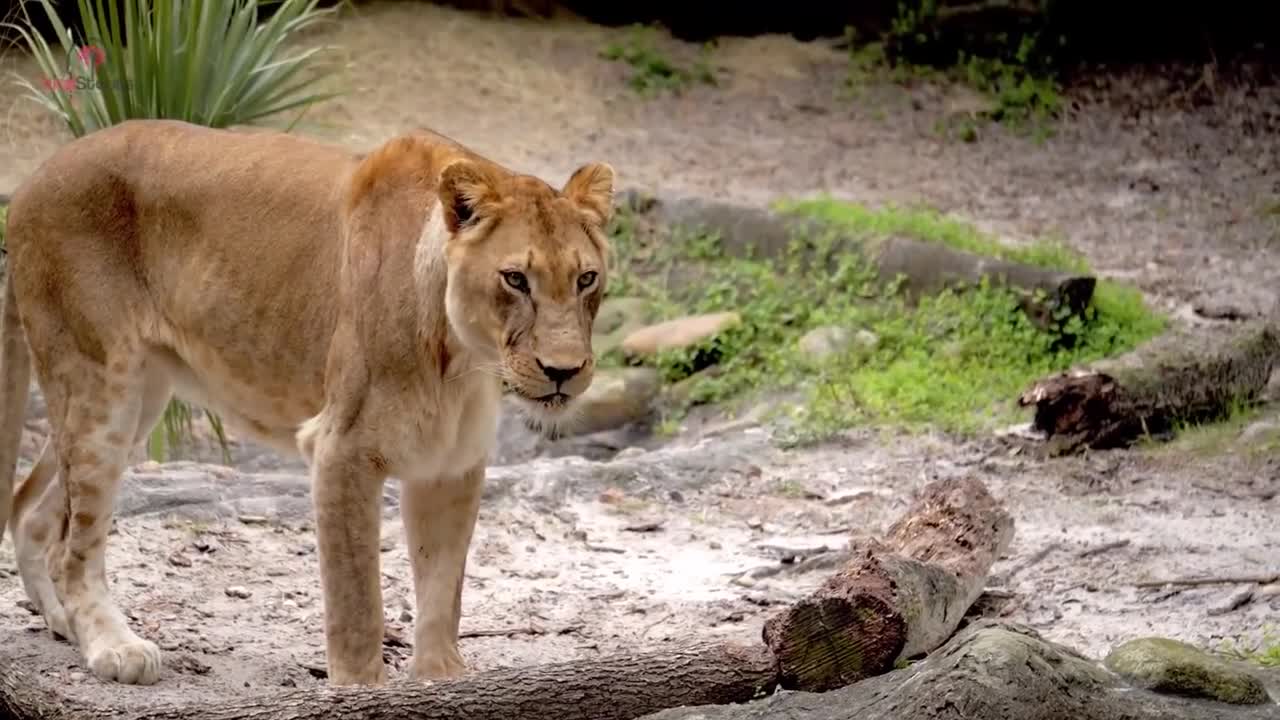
(609, 688)
(923, 267)
(985, 672)
(898, 597)
(1179, 377)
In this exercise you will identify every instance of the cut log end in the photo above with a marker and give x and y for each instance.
(897, 597)
(823, 643)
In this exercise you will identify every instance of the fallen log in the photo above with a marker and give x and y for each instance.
(1181, 377)
(987, 671)
(618, 687)
(923, 268)
(899, 597)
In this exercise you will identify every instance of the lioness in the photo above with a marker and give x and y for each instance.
(361, 311)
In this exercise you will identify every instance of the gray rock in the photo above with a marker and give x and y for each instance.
(199, 492)
(1238, 598)
(617, 396)
(552, 481)
(517, 443)
(823, 342)
(1176, 668)
(618, 318)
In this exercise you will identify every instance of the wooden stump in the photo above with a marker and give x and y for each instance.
(896, 598)
(1179, 377)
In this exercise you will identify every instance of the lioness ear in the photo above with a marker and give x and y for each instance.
(591, 187)
(464, 189)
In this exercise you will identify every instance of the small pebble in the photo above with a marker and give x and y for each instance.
(715, 545)
(179, 560)
(239, 591)
(253, 519)
(1235, 600)
(755, 523)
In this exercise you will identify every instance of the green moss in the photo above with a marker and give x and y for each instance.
(955, 361)
(928, 224)
(1173, 667)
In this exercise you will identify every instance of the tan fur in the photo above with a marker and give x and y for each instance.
(362, 311)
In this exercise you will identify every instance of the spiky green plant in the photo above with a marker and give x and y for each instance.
(209, 62)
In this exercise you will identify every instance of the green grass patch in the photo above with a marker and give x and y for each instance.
(1265, 653)
(928, 224)
(1013, 74)
(954, 361)
(652, 70)
(1225, 435)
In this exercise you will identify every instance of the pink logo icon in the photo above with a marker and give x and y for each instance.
(91, 57)
(88, 52)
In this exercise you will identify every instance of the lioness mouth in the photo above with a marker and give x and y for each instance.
(554, 399)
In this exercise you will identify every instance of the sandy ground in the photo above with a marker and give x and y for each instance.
(1154, 190)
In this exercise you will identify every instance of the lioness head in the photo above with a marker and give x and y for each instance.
(526, 276)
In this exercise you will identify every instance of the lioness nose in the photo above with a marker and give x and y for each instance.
(558, 375)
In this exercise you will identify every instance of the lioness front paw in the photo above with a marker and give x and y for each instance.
(132, 662)
(437, 666)
(373, 675)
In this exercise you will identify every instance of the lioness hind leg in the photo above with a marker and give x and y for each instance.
(39, 507)
(439, 518)
(95, 409)
(40, 512)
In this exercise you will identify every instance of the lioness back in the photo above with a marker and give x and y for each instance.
(222, 250)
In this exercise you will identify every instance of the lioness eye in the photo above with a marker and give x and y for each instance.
(586, 280)
(516, 280)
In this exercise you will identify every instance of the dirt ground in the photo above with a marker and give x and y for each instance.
(576, 558)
